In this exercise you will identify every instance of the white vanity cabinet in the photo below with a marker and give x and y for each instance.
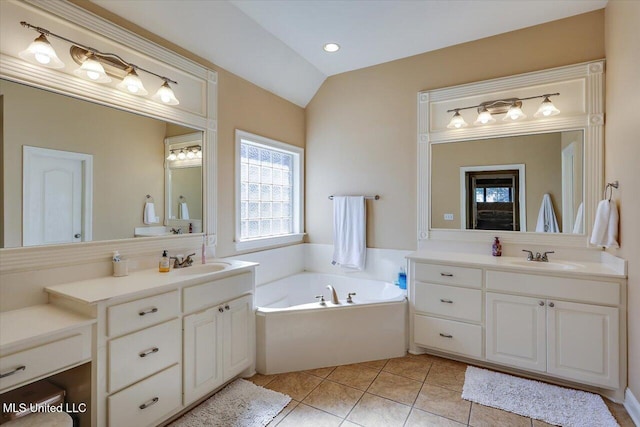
(219, 340)
(558, 324)
(164, 340)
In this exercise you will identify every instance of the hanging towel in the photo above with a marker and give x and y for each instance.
(149, 216)
(349, 232)
(605, 227)
(578, 225)
(184, 210)
(547, 222)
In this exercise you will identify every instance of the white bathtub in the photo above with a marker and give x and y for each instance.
(295, 332)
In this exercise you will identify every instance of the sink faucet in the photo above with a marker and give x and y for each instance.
(176, 230)
(334, 295)
(182, 263)
(538, 256)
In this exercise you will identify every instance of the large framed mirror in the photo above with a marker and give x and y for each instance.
(536, 180)
(118, 137)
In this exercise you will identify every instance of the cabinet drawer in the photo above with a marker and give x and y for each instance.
(215, 292)
(448, 335)
(143, 353)
(460, 303)
(462, 276)
(145, 403)
(594, 291)
(48, 358)
(138, 314)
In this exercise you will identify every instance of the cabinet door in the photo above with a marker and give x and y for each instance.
(239, 333)
(202, 353)
(583, 342)
(515, 332)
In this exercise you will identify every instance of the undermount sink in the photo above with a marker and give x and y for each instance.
(547, 265)
(201, 268)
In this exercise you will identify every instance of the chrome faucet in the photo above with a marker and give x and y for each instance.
(334, 295)
(538, 256)
(176, 230)
(178, 262)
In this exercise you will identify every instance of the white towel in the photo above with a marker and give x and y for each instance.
(578, 225)
(605, 227)
(149, 216)
(349, 232)
(547, 222)
(184, 210)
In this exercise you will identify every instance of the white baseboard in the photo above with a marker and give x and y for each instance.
(632, 406)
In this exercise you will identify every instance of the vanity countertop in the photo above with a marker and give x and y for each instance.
(37, 322)
(142, 282)
(554, 266)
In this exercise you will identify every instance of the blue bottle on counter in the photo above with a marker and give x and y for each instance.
(402, 279)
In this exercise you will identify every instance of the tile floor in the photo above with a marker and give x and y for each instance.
(404, 392)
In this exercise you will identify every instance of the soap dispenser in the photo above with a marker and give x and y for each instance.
(496, 248)
(163, 265)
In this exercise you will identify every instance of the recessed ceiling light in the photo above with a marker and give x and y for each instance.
(331, 47)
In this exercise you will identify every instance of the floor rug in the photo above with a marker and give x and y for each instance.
(240, 404)
(552, 404)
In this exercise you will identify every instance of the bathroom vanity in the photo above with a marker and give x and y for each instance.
(163, 341)
(559, 320)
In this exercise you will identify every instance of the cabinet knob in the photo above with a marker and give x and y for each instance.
(551, 304)
(226, 307)
(541, 303)
(221, 310)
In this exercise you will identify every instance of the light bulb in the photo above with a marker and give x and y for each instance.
(92, 70)
(40, 52)
(191, 155)
(171, 157)
(165, 95)
(515, 113)
(331, 47)
(132, 84)
(182, 155)
(199, 154)
(546, 109)
(457, 121)
(484, 117)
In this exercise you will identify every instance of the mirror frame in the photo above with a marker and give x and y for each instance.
(199, 114)
(587, 114)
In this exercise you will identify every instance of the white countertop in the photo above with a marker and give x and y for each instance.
(36, 322)
(564, 268)
(94, 291)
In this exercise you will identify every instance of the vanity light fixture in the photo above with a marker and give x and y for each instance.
(512, 107)
(40, 52)
(172, 156)
(185, 153)
(92, 65)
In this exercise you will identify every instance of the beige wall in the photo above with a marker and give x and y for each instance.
(622, 151)
(539, 153)
(187, 182)
(361, 125)
(241, 105)
(117, 140)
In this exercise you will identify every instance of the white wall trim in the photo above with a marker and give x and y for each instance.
(584, 110)
(197, 110)
(632, 406)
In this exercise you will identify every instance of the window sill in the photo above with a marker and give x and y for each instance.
(266, 242)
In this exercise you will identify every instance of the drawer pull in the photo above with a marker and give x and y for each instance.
(446, 274)
(150, 351)
(153, 401)
(15, 371)
(149, 311)
(448, 301)
(446, 335)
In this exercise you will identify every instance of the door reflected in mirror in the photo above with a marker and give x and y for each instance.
(128, 157)
(503, 183)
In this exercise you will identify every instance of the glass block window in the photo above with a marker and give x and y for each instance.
(269, 188)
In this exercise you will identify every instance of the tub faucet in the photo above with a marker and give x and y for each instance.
(334, 295)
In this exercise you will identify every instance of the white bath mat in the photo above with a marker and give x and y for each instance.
(240, 404)
(552, 404)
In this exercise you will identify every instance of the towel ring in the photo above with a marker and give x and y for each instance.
(149, 198)
(609, 188)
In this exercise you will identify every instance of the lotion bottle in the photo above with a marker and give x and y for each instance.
(163, 265)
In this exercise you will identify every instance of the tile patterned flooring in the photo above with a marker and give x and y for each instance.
(408, 391)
